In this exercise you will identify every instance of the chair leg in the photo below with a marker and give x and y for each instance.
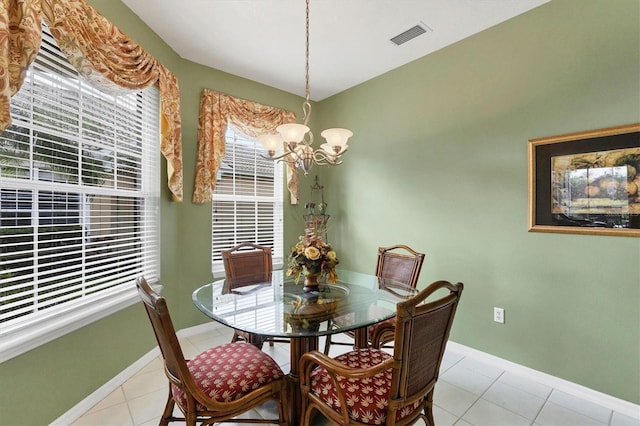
(191, 419)
(327, 344)
(283, 408)
(167, 414)
(305, 412)
(428, 409)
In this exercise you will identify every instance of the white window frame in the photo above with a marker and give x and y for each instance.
(235, 136)
(42, 326)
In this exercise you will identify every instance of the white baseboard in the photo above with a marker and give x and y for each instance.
(105, 390)
(616, 404)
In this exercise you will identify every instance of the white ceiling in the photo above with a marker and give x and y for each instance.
(264, 40)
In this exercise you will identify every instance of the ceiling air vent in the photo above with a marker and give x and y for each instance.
(410, 34)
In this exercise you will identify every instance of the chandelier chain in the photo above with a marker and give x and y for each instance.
(307, 55)
(306, 105)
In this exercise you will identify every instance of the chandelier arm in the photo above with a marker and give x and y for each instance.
(322, 158)
(322, 155)
(308, 138)
(306, 109)
(287, 157)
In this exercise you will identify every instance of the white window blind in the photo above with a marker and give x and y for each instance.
(79, 194)
(247, 202)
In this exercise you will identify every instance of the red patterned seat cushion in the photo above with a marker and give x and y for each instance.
(367, 398)
(230, 371)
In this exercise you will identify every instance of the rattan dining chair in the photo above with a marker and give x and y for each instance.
(371, 387)
(398, 263)
(245, 265)
(218, 384)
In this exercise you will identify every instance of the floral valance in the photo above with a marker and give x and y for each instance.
(100, 52)
(217, 110)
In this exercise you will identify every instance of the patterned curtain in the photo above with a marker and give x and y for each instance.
(217, 110)
(20, 36)
(100, 52)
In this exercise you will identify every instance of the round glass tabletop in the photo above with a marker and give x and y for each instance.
(282, 308)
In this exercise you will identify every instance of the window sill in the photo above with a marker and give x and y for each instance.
(22, 338)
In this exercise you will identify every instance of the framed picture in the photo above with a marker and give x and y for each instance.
(586, 182)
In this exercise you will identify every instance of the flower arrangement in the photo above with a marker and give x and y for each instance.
(312, 256)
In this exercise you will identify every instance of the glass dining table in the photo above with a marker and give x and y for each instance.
(280, 308)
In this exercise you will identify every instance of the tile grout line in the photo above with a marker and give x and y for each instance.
(546, 400)
(127, 399)
(489, 402)
(533, 421)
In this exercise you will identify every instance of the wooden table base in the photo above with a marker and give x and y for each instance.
(299, 346)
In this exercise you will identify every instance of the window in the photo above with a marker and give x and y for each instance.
(79, 200)
(247, 202)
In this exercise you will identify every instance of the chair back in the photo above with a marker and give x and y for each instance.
(174, 362)
(247, 264)
(399, 263)
(422, 331)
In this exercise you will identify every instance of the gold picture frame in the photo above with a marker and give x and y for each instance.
(586, 182)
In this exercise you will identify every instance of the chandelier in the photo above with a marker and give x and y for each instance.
(298, 138)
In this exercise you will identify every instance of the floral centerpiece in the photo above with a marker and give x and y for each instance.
(312, 258)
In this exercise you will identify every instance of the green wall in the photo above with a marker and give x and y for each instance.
(438, 161)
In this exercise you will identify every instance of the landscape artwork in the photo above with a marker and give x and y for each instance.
(586, 182)
(605, 184)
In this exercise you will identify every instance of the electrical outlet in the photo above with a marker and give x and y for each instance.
(498, 315)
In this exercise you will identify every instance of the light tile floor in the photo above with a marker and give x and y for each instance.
(467, 393)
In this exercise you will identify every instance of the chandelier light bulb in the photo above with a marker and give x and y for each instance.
(292, 132)
(271, 142)
(337, 136)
